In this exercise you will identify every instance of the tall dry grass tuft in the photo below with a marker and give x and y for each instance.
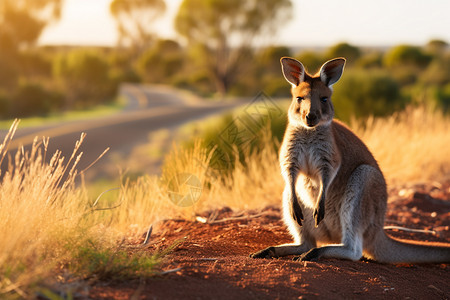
(253, 184)
(150, 199)
(40, 210)
(410, 146)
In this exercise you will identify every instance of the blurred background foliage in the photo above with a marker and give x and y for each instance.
(216, 56)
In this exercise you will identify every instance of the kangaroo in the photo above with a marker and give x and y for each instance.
(335, 197)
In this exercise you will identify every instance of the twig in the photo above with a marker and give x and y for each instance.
(101, 195)
(170, 271)
(410, 229)
(107, 208)
(95, 161)
(209, 259)
(147, 236)
(13, 287)
(236, 218)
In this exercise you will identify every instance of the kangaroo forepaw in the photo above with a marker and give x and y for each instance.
(265, 253)
(297, 213)
(319, 214)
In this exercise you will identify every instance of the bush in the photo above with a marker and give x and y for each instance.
(405, 55)
(277, 87)
(85, 78)
(31, 99)
(437, 72)
(8, 73)
(4, 105)
(442, 96)
(350, 52)
(35, 63)
(371, 60)
(233, 137)
(310, 60)
(160, 63)
(362, 94)
(268, 59)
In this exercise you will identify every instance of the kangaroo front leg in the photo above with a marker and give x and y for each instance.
(319, 209)
(291, 175)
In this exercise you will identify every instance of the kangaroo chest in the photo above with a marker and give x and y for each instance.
(312, 154)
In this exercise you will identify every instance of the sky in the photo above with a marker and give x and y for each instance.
(317, 23)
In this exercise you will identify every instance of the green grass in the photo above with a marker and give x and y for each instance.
(236, 134)
(74, 115)
(114, 263)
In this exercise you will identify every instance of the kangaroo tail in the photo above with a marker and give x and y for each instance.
(385, 249)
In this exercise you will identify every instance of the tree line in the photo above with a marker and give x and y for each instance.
(215, 56)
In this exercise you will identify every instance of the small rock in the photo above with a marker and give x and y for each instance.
(405, 192)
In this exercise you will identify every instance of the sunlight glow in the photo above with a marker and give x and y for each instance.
(314, 23)
(83, 22)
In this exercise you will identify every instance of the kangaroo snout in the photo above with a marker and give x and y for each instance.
(311, 119)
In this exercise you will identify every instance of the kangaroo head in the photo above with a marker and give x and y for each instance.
(311, 95)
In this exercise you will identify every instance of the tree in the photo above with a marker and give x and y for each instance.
(85, 78)
(351, 53)
(405, 55)
(226, 31)
(437, 46)
(134, 20)
(311, 60)
(161, 62)
(22, 21)
(361, 94)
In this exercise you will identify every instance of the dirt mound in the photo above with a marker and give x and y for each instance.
(212, 259)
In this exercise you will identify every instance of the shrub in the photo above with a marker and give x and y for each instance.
(405, 55)
(442, 97)
(8, 73)
(350, 52)
(32, 99)
(161, 63)
(437, 72)
(234, 136)
(4, 104)
(363, 94)
(371, 60)
(310, 60)
(85, 78)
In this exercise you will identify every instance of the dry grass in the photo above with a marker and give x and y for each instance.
(44, 216)
(410, 146)
(47, 221)
(40, 209)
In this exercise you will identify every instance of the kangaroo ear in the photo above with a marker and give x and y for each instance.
(332, 70)
(293, 70)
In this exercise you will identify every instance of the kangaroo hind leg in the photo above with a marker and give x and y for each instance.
(350, 217)
(282, 250)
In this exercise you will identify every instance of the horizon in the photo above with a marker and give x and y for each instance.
(88, 23)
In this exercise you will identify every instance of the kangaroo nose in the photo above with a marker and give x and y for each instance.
(311, 117)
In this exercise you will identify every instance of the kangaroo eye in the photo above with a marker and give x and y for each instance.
(299, 99)
(324, 99)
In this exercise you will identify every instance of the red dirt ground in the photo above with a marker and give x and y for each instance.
(212, 261)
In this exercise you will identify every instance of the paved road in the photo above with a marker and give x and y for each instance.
(148, 109)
